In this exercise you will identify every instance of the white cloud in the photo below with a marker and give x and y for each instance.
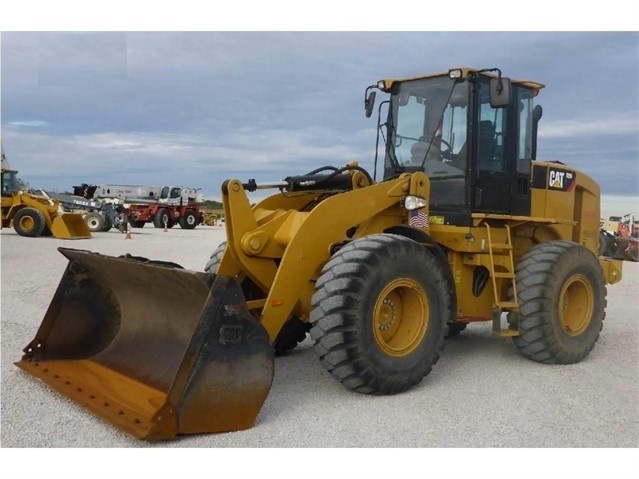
(57, 163)
(249, 103)
(619, 205)
(28, 123)
(619, 125)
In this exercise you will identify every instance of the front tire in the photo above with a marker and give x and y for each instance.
(94, 221)
(162, 218)
(379, 314)
(562, 296)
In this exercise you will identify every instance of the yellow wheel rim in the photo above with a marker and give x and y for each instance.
(576, 305)
(400, 317)
(27, 223)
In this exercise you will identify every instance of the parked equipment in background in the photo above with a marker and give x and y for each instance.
(464, 225)
(164, 206)
(36, 215)
(117, 191)
(175, 205)
(619, 237)
(99, 215)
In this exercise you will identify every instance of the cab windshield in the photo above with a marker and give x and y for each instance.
(427, 131)
(9, 182)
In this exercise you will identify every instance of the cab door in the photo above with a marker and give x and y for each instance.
(501, 155)
(491, 188)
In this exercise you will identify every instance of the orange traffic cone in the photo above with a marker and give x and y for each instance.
(128, 232)
(165, 224)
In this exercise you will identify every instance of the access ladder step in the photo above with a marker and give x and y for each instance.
(508, 333)
(503, 275)
(502, 246)
(508, 305)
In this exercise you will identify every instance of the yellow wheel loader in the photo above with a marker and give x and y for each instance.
(36, 215)
(464, 225)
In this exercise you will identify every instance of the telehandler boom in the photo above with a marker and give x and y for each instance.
(464, 225)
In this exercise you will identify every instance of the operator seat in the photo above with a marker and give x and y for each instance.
(419, 149)
(417, 152)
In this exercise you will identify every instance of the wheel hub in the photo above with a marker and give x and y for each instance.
(400, 317)
(387, 315)
(27, 222)
(576, 305)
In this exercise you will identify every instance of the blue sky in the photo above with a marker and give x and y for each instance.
(195, 108)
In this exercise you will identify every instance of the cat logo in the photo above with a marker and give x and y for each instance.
(561, 180)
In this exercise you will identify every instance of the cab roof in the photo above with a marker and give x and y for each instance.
(465, 72)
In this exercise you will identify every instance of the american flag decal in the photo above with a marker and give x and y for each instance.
(418, 219)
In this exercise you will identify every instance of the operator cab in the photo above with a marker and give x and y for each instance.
(170, 192)
(472, 132)
(9, 182)
(171, 195)
(9, 176)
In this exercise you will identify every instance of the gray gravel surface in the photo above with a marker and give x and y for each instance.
(482, 393)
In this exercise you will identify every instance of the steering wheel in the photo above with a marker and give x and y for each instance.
(445, 153)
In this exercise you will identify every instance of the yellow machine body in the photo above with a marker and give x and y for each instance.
(378, 271)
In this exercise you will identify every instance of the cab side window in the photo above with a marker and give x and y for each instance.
(491, 134)
(524, 145)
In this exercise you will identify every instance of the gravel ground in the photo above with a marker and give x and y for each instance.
(481, 394)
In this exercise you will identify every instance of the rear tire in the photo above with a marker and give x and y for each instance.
(603, 243)
(29, 222)
(108, 224)
(379, 314)
(454, 328)
(189, 220)
(562, 295)
(94, 221)
(137, 224)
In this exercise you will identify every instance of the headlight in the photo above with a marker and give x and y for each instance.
(455, 74)
(414, 203)
(381, 85)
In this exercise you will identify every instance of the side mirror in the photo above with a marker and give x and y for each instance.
(369, 103)
(501, 92)
(536, 116)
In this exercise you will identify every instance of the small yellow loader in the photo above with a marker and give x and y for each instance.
(36, 215)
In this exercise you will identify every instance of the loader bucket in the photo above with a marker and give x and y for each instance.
(629, 249)
(153, 349)
(70, 226)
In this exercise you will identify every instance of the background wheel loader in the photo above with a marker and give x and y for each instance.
(619, 237)
(36, 215)
(464, 225)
